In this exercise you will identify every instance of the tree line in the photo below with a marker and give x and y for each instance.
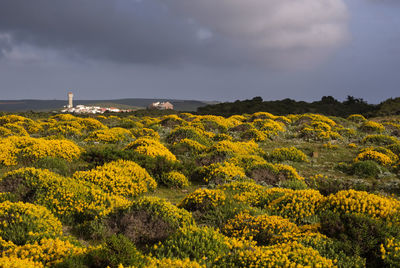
(328, 105)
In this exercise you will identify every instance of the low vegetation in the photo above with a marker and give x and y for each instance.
(186, 190)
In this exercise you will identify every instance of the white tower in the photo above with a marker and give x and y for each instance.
(70, 99)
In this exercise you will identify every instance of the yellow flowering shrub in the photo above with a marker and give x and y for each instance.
(235, 148)
(175, 179)
(291, 254)
(13, 262)
(269, 126)
(48, 251)
(110, 135)
(147, 121)
(384, 151)
(262, 115)
(16, 130)
(357, 118)
(242, 186)
(319, 132)
(378, 157)
(172, 120)
(151, 148)
(65, 197)
(190, 132)
(247, 161)
(212, 123)
(145, 132)
(283, 119)
(222, 137)
(64, 128)
(202, 244)
(5, 132)
(254, 134)
(288, 154)
(203, 199)
(119, 177)
(352, 145)
(27, 124)
(222, 172)
(16, 149)
(21, 222)
(264, 229)
(297, 205)
(390, 251)
(173, 263)
(91, 124)
(288, 172)
(188, 146)
(308, 118)
(371, 126)
(351, 201)
(379, 139)
(174, 216)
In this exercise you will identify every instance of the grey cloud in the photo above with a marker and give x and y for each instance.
(216, 32)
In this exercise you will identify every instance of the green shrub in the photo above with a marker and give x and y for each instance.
(202, 244)
(293, 184)
(381, 140)
(148, 221)
(367, 168)
(115, 250)
(57, 165)
(358, 235)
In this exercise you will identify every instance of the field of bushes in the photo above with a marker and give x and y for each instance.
(185, 190)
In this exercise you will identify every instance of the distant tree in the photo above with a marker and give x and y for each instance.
(328, 100)
(257, 99)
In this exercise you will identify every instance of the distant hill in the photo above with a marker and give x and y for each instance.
(51, 105)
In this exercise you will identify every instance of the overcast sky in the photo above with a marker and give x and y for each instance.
(200, 49)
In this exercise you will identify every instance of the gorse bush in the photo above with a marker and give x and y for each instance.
(175, 179)
(26, 149)
(203, 199)
(21, 223)
(48, 251)
(148, 220)
(150, 147)
(112, 135)
(264, 229)
(288, 154)
(65, 197)
(121, 177)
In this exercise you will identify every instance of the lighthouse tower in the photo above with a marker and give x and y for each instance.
(70, 100)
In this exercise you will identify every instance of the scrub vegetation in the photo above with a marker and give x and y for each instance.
(187, 190)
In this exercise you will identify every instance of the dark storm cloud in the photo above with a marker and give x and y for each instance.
(223, 32)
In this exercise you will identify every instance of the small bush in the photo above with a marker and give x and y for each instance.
(367, 168)
(202, 244)
(174, 179)
(57, 165)
(21, 223)
(358, 234)
(203, 199)
(288, 154)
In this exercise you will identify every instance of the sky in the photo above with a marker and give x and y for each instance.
(220, 50)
